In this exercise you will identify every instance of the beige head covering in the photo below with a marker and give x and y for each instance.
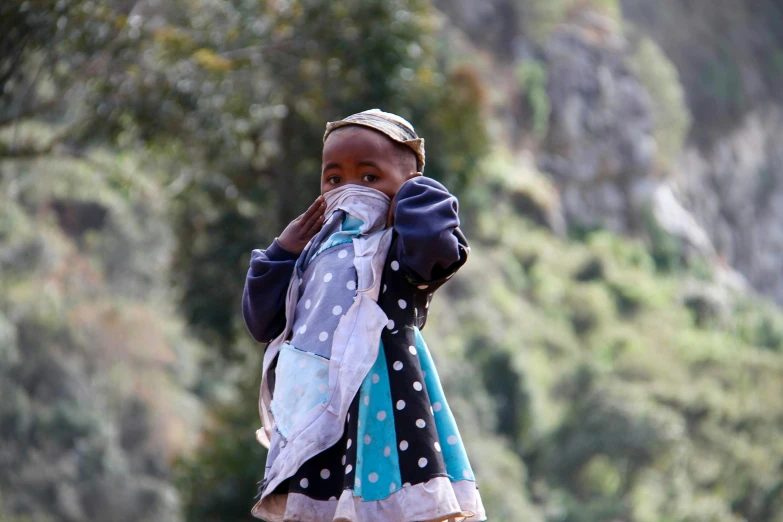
(393, 126)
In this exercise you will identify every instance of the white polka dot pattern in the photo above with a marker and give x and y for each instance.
(393, 415)
(321, 306)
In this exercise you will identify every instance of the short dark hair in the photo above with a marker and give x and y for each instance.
(406, 158)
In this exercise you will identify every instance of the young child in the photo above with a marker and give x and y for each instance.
(353, 412)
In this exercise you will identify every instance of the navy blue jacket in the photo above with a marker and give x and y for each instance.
(426, 242)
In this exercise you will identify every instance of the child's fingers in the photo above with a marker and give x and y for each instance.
(315, 228)
(312, 210)
(318, 211)
(314, 219)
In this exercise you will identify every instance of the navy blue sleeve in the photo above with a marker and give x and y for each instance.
(266, 286)
(430, 245)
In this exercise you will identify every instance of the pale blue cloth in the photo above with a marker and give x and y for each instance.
(307, 376)
(326, 292)
(348, 230)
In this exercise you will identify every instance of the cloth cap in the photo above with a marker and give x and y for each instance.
(395, 127)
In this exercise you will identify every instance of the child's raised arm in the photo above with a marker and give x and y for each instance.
(430, 246)
(263, 300)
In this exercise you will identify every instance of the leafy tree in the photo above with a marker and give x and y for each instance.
(231, 100)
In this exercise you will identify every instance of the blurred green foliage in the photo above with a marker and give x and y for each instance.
(624, 390)
(537, 19)
(532, 78)
(96, 367)
(220, 481)
(672, 120)
(231, 99)
(146, 148)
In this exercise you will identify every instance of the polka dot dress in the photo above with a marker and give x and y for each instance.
(399, 430)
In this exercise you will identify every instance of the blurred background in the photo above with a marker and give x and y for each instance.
(613, 349)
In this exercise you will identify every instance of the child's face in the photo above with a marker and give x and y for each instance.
(358, 155)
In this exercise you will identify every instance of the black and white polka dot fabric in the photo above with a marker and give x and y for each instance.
(326, 292)
(400, 438)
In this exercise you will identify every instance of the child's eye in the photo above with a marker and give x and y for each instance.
(333, 180)
(369, 178)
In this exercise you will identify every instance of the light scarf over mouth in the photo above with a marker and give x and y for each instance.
(367, 204)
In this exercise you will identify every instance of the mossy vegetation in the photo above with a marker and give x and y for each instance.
(594, 377)
(603, 377)
(670, 111)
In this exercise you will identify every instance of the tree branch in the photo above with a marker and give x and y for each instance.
(29, 112)
(249, 52)
(31, 150)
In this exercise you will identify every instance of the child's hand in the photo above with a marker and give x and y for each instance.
(296, 235)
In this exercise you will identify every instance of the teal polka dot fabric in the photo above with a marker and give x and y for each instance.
(378, 472)
(377, 465)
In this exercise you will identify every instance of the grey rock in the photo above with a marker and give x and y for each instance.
(735, 190)
(672, 217)
(600, 142)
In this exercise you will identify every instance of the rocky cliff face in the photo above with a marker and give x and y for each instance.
(600, 148)
(735, 189)
(667, 117)
(729, 56)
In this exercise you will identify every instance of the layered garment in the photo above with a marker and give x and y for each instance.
(354, 415)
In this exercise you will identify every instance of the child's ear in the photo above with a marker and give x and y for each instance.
(414, 175)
